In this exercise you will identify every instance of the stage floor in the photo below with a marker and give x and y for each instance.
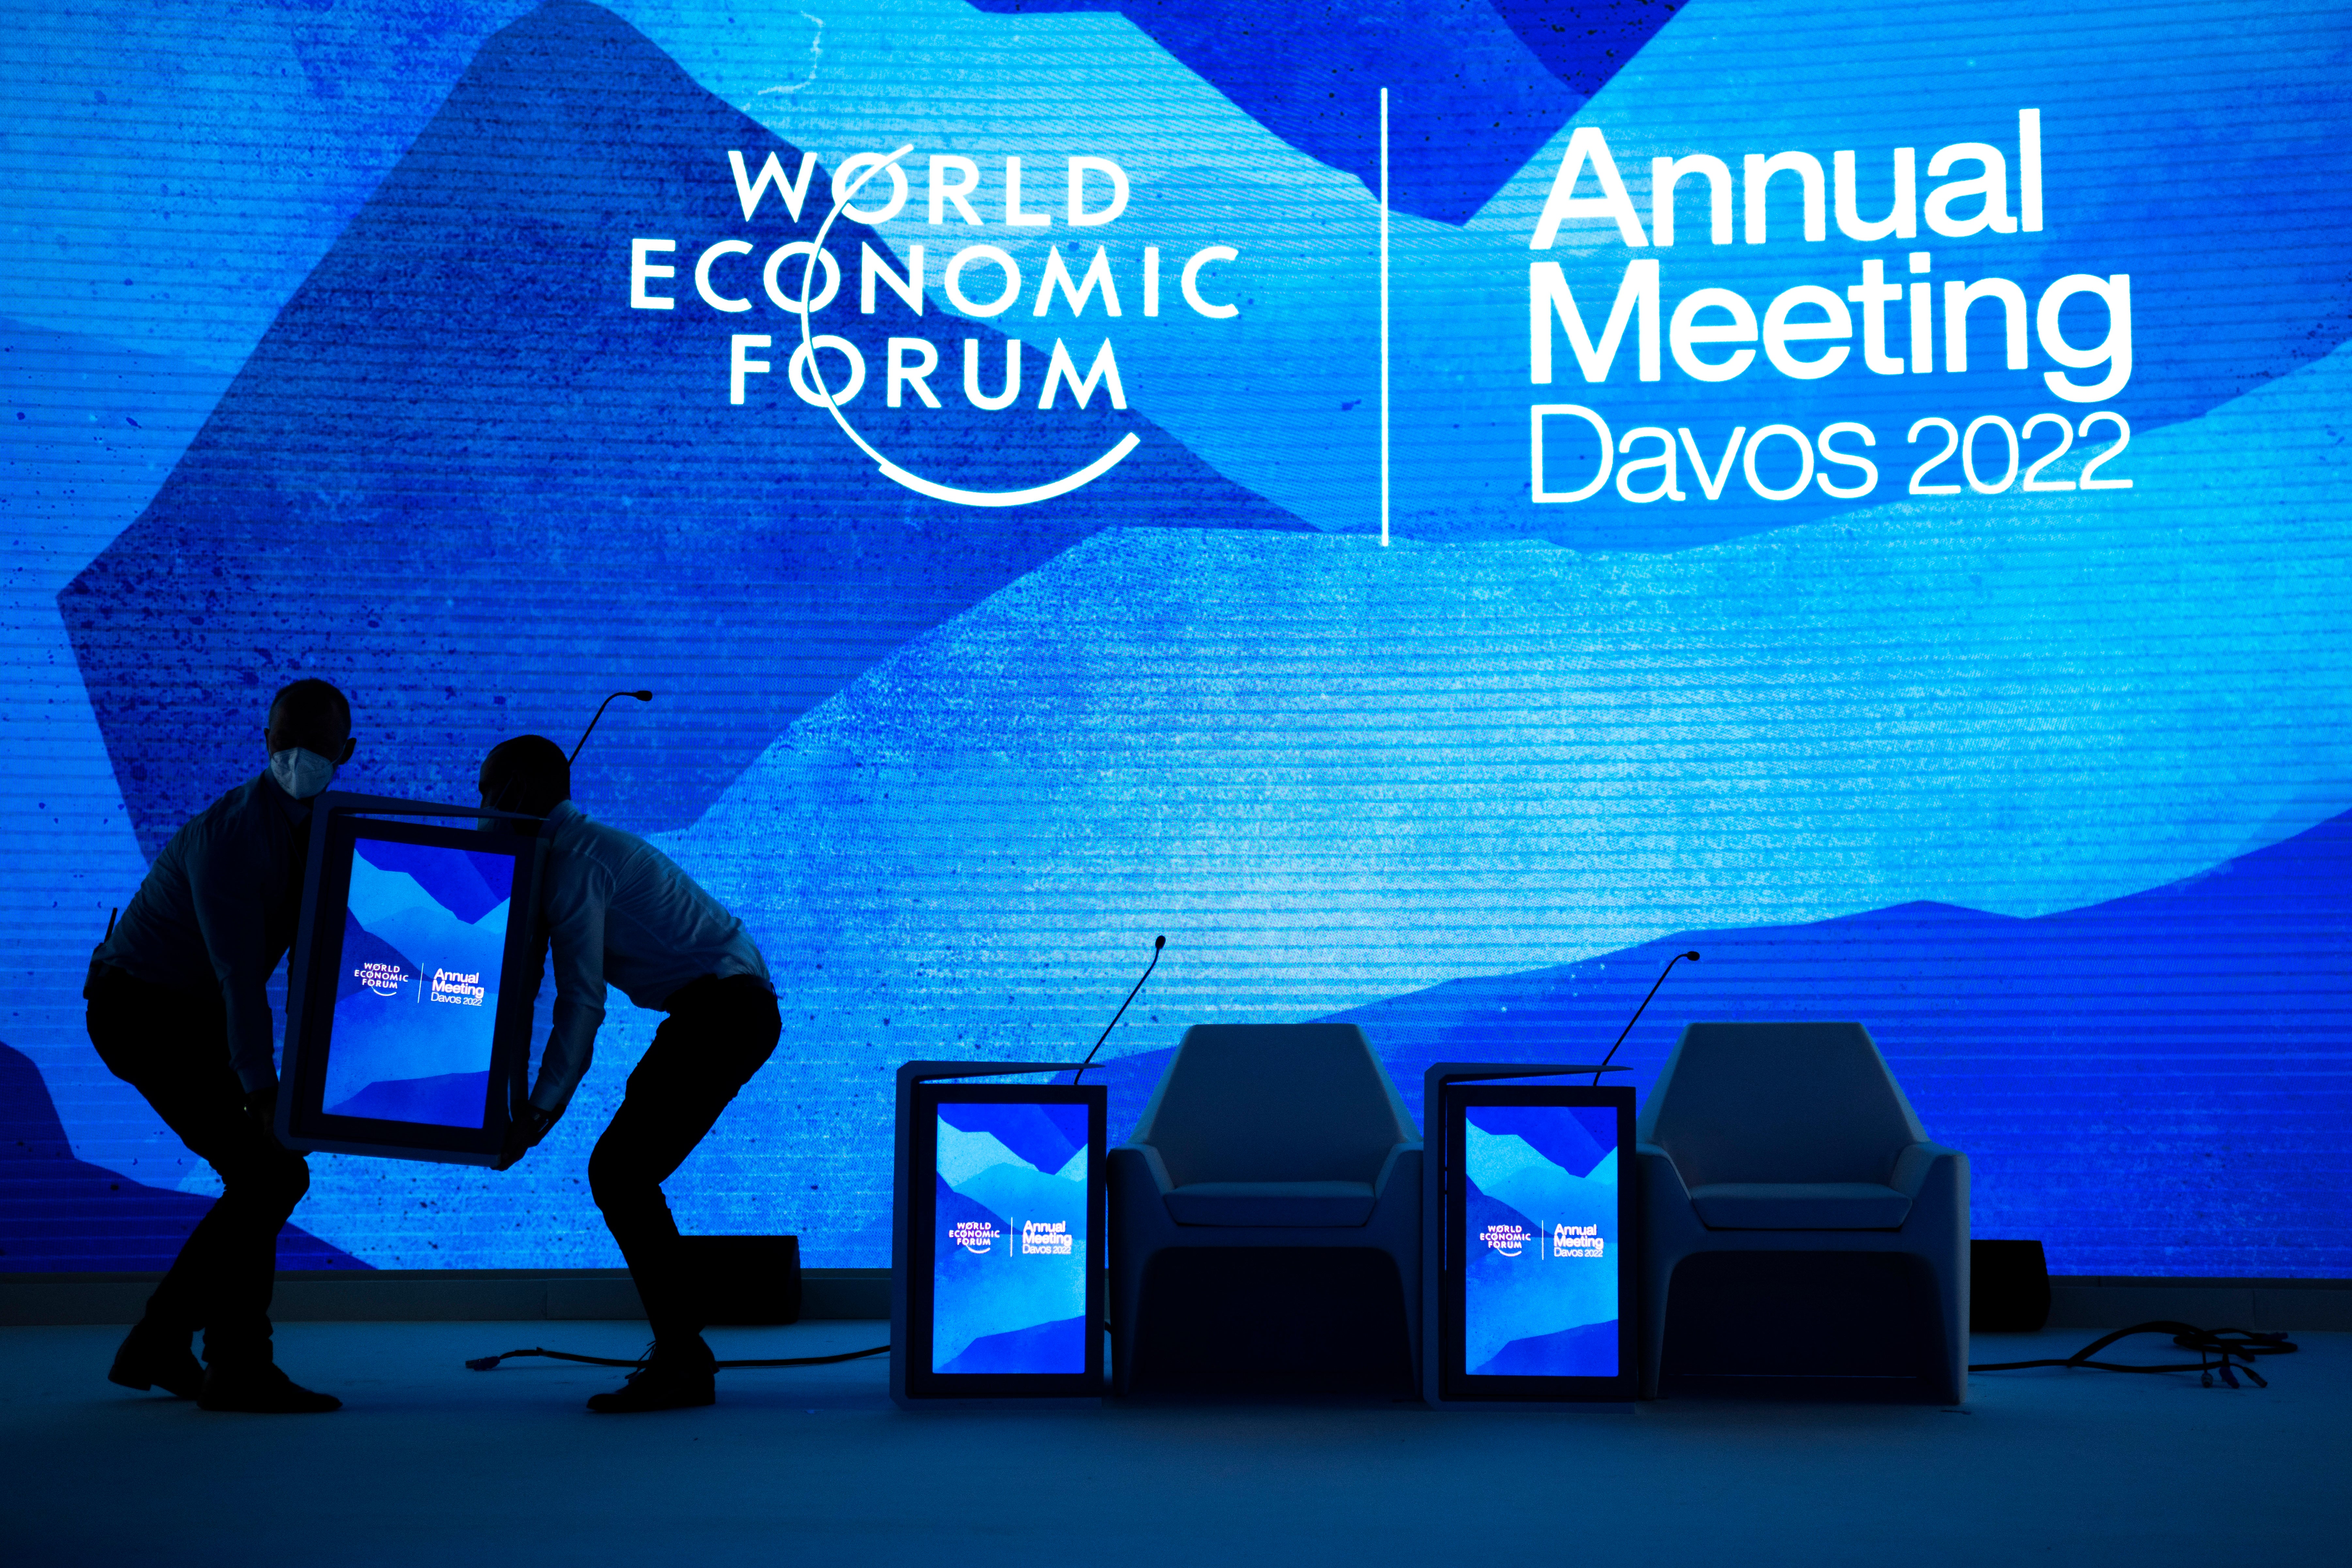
(430, 1463)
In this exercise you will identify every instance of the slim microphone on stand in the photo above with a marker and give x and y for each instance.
(640, 696)
(1157, 943)
(1644, 1007)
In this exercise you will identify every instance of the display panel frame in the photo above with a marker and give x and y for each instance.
(1446, 1381)
(923, 1087)
(339, 822)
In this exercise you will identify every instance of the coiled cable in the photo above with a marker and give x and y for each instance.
(2222, 1351)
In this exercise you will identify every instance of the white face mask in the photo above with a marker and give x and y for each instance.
(300, 773)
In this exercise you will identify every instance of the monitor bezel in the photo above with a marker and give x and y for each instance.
(1455, 1382)
(309, 1125)
(922, 1223)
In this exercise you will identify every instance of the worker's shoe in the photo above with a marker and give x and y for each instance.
(260, 1388)
(674, 1376)
(155, 1357)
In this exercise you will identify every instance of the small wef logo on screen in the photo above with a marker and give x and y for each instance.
(457, 989)
(1507, 1239)
(973, 1235)
(384, 979)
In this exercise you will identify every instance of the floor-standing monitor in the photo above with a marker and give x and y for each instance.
(999, 1254)
(417, 963)
(1534, 1299)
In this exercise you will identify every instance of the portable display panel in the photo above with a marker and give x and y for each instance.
(416, 966)
(1529, 1232)
(998, 1240)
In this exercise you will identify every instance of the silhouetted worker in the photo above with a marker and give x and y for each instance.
(619, 910)
(179, 1009)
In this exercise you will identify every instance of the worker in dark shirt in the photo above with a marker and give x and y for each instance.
(618, 910)
(179, 1009)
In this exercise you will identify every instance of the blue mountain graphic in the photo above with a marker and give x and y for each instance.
(1540, 1189)
(980, 1296)
(58, 1213)
(1475, 89)
(1045, 1135)
(2093, 1040)
(467, 884)
(445, 1100)
(460, 457)
(362, 947)
(1588, 1349)
(1057, 1346)
(1574, 1137)
(2255, 943)
(1534, 1295)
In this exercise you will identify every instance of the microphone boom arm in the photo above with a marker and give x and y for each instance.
(1158, 945)
(1644, 1007)
(640, 696)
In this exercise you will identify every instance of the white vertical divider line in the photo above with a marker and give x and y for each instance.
(1384, 318)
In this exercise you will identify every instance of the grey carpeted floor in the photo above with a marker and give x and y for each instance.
(432, 1464)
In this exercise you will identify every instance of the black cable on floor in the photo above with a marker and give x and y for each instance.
(485, 1364)
(2227, 1352)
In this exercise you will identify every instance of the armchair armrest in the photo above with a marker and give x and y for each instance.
(1389, 1166)
(1660, 1182)
(1147, 1157)
(1914, 1165)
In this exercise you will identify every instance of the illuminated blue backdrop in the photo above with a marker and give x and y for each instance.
(447, 350)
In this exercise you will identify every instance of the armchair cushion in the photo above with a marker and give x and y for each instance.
(1799, 1205)
(1277, 1102)
(1812, 1102)
(1271, 1203)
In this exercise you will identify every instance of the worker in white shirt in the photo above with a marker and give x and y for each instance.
(618, 910)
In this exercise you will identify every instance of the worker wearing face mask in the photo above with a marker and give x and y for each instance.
(179, 1009)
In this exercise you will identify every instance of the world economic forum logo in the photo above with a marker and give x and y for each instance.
(916, 482)
(384, 979)
(1098, 191)
(973, 1235)
(1510, 1240)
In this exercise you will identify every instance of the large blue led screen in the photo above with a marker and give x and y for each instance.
(1435, 505)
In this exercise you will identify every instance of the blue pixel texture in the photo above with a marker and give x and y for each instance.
(467, 426)
(61, 1214)
(434, 350)
(1510, 74)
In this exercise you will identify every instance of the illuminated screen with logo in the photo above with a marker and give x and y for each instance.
(416, 993)
(1009, 1260)
(1434, 507)
(1539, 1228)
